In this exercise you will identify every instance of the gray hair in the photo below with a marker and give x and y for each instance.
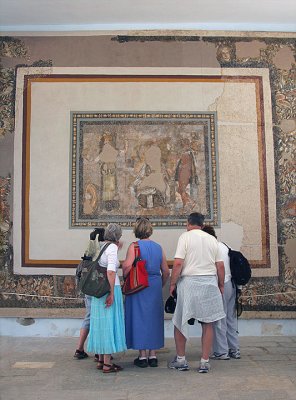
(113, 233)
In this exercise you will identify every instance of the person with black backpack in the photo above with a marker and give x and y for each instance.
(226, 343)
(91, 253)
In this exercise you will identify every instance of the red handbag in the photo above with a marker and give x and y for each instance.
(137, 278)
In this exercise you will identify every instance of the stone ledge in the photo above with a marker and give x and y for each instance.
(79, 313)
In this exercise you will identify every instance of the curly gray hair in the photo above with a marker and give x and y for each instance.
(113, 233)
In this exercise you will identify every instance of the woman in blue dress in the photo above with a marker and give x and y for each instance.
(144, 313)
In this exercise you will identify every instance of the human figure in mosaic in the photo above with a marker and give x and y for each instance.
(186, 174)
(108, 158)
(226, 52)
(90, 200)
(150, 185)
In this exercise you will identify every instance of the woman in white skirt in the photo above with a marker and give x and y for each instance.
(107, 332)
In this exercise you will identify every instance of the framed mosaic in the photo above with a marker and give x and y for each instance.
(161, 165)
(90, 158)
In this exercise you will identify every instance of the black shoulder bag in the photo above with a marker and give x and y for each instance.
(95, 281)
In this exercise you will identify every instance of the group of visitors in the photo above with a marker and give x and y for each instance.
(200, 280)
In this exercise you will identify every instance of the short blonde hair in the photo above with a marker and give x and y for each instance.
(143, 228)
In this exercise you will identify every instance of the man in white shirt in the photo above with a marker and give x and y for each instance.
(197, 265)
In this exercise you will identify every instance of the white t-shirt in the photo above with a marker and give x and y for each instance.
(200, 252)
(224, 253)
(110, 261)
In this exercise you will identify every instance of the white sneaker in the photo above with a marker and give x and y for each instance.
(216, 356)
(179, 365)
(235, 354)
(204, 367)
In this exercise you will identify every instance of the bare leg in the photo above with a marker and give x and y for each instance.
(82, 338)
(180, 341)
(100, 360)
(206, 340)
(152, 353)
(107, 359)
(142, 354)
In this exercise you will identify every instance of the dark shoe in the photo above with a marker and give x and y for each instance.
(80, 355)
(216, 356)
(109, 368)
(153, 362)
(141, 363)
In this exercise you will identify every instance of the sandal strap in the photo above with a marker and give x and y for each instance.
(112, 367)
(117, 367)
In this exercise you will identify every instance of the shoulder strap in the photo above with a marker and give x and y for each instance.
(137, 250)
(102, 251)
(227, 246)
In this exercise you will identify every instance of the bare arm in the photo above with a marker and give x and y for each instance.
(177, 268)
(129, 259)
(164, 269)
(111, 278)
(221, 275)
(111, 272)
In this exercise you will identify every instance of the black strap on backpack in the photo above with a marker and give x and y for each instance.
(102, 251)
(86, 262)
(238, 305)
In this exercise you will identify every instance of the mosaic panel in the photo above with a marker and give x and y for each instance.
(160, 165)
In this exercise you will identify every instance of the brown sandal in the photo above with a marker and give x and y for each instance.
(100, 364)
(111, 368)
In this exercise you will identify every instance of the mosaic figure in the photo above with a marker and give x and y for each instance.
(226, 53)
(107, 159)
(186, 175)
(150, 185)
(90, 202)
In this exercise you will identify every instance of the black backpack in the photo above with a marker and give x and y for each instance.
(239, 267)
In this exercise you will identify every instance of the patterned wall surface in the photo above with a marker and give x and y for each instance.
(275, 53)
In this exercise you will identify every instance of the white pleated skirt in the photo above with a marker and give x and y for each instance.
(198, 297)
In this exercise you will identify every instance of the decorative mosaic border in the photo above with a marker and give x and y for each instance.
(257, 295)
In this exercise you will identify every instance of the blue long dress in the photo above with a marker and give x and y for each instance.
(144, 312)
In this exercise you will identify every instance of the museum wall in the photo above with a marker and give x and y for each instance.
(244, 82)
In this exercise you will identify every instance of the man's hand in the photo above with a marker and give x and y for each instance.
(221, 288)
(172, 289)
